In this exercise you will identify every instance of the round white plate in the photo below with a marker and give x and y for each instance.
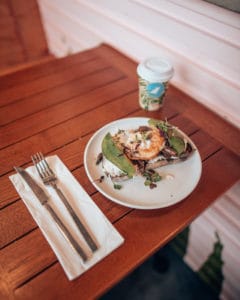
(184, 175)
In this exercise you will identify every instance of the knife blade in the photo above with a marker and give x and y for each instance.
(43, 198)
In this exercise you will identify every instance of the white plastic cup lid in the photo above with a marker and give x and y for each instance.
(155, 69)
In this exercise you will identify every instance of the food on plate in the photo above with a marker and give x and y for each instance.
(143, 143)
(139, 151)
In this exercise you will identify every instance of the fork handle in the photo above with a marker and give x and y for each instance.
(91, 243)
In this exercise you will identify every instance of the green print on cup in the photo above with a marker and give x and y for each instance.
(147, 99)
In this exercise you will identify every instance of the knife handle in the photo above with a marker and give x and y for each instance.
(66, 233)
(91, 243)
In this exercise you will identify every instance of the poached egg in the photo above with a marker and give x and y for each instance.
(143, 143)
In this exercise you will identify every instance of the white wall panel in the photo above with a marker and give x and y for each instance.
(201, 18)
(67, 32)
(204, 50)
(212, 11)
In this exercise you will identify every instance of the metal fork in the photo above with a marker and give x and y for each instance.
(49, 178)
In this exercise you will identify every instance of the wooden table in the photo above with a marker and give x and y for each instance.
(55, 108)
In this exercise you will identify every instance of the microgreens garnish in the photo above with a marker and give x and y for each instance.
(117, 186)
(151, 178)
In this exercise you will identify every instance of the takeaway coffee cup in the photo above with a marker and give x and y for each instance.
(154, 74)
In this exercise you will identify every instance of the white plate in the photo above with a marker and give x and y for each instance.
(134, 193)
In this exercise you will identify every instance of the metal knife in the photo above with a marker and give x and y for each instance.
(43, 198)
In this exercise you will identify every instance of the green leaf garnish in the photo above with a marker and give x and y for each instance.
(117, 186)
(163, 125)
(151, 177)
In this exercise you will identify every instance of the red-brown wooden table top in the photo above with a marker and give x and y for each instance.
(55, 108)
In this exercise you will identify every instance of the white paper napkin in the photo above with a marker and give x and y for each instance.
(106, 236)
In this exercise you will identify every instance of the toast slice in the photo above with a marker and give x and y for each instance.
(129, 153)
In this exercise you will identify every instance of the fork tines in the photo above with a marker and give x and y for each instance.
(41, 165)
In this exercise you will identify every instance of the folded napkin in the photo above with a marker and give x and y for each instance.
(103, 232)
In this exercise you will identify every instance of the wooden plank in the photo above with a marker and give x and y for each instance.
(42, 84)
(22, 7)
(208, 120)
(184, 124)
(123, 63)
(25, 65)
(11, 52)
(137, 226)
(32, 35)
(21, 34)
(8, 193)
(9, 48)
(211, 145)
(19, 130)
(7, 31)
(45, 69)
(15, 222)
(29, 28)
(30, 105)
(27, 251)
(74, 128)
(4, 9)
(11, 60)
